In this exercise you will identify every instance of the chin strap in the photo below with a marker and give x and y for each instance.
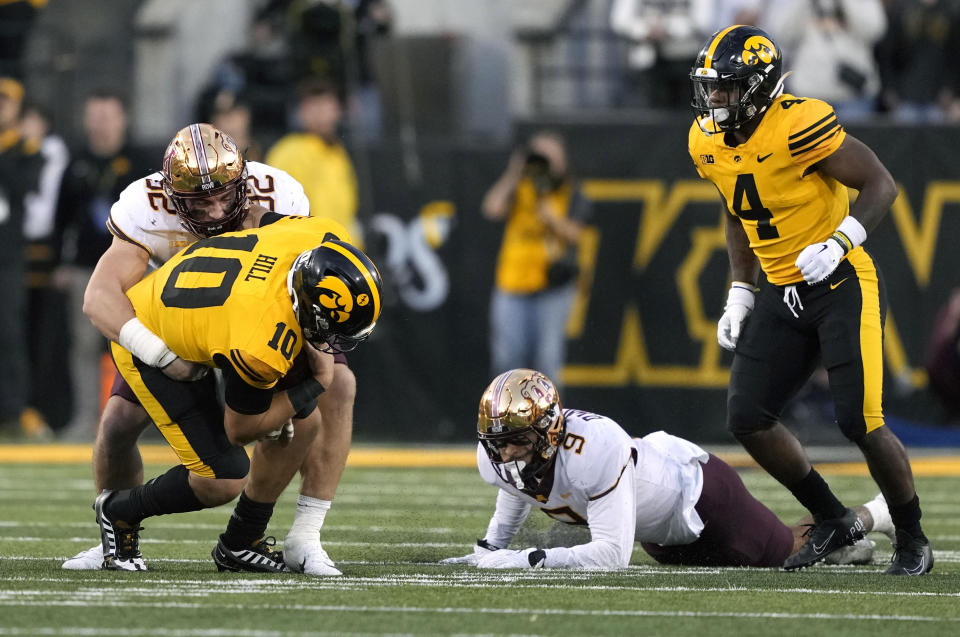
(514, 470)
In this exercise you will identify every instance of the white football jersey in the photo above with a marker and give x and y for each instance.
(143, 214)
(624, 489)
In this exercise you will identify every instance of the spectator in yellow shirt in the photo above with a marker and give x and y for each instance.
(544, 212)
(317, 159)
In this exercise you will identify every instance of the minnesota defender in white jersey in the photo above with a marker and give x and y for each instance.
(583, 468)
(205, 188)
(144, 216)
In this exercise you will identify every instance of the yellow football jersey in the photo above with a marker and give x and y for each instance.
(768, 183)
(527, 248)
(228, 295)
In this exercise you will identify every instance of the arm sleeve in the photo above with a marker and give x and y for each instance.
(509, 514)
(612, 520)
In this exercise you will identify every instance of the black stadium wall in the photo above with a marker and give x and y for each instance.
(642, 337)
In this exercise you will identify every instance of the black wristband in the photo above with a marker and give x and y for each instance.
(537, 558)
(843, 246)
(305, 394)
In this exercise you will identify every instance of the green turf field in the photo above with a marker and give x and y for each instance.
(386, 531)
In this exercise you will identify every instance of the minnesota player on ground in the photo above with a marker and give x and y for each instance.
(244, 302)
(154, 218)
(686, 506)
(782, 165)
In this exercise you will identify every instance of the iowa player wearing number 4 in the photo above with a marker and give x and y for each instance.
(246, 302)
(804, 291)
(584, 469)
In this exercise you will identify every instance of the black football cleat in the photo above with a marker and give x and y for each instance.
(258, 558)
(825, 538)
(911, 555)
(120, 541)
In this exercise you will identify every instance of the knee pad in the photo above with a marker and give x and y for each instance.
(231, 464)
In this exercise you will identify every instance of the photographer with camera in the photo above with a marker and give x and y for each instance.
(536, 272)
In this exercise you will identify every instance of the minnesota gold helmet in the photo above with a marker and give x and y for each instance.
(202, 162)
(515, 405)
(336, 292)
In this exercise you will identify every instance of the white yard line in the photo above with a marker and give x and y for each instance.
(547, 612)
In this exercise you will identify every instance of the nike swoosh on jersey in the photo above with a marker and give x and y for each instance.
(819, 549)
(834, 286)
(762, 159)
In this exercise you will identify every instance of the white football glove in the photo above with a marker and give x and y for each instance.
(735, 312)
(284, 433)
(506, 558)
(818, 260)
(481, 548)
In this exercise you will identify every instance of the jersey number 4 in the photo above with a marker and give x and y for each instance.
(745, 192)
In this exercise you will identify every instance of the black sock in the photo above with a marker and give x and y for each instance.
(167, 493)
(813, 493)
(906, 517)
(247, 524)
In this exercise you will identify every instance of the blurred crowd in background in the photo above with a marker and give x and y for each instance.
(91, 91)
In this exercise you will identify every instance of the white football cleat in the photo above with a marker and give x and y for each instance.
(306, 555)
(860, 552)
(89, 560)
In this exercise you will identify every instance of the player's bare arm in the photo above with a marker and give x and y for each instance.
(105, 301)
(856, 166)
(744, 265)
(106, 304)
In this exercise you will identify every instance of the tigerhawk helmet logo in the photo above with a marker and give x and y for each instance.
(758, 49)
(336, 298)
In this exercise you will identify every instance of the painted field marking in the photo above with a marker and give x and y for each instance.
(446, 457)
(550, 612)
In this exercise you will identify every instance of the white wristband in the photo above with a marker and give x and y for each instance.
(144, 344)
(853, 230)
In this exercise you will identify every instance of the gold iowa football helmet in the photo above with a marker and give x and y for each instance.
(202, 162)
(336, 292)
(515, 404)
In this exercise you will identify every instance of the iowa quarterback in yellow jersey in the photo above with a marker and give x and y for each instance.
(226, 298)
(247, 302)
(804, 291)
